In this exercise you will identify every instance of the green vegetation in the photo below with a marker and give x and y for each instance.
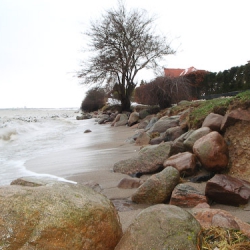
(198, 114)
(243, 96)
(200, 109)
(235, 78)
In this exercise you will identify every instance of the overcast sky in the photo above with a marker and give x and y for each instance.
(41, 43)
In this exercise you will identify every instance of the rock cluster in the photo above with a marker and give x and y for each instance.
(46, 214)
(191, 153)
(201, 155)
(53, 215)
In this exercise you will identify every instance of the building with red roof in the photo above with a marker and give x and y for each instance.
(178, 72)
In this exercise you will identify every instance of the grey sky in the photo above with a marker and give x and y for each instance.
(41, 42)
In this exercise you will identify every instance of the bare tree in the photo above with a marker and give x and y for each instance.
(122, 43)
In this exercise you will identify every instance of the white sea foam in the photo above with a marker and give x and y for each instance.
(29, 133)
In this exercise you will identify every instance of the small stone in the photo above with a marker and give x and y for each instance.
(87, 131)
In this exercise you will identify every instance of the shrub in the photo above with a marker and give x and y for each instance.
(94, 100)
(163, 91)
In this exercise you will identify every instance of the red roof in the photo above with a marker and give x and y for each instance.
(178, 72)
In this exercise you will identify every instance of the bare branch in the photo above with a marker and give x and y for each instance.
(123, 43)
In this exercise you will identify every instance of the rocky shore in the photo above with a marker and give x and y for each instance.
(178, 181)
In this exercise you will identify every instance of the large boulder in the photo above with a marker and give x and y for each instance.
(120, 120)
(161, 227)
(117, 118)
(235, 116)
(142, 139)
(145, 121)
(149, 160)
(194, 135)
(184, 162)
(212, 152)
(143, 113)
(103, 119)
(151, 123)
(213, 121)
(165, 123)
(156, 140)
(57, 216)
(173, 133)
(133, 118)
(157, 188)
(123, 120)
(228, 190)
(185, 195)
(178, 144)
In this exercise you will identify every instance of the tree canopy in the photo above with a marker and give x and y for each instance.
(122, 43)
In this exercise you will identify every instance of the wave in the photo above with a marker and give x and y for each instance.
(35, 124)
(7, 134)
(27, 134)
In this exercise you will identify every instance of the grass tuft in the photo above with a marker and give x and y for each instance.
(223, 239)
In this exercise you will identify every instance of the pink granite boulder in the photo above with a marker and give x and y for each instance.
(212, 151)
(186, 196)
(184, 162)
(213, 121)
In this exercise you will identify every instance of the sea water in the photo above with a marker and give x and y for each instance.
(26, 134)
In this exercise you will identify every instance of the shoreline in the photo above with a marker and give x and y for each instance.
(94, 164)
(94, 154)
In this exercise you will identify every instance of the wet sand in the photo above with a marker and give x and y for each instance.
(94, 163)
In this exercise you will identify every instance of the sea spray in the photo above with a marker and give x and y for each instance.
(29, 133)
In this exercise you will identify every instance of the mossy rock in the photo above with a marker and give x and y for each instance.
(160, 227)
(57, 216)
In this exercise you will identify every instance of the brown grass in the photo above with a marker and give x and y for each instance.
(223, 239)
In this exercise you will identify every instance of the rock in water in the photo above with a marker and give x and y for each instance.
(57, 216)
(87, 131)
(161, 227)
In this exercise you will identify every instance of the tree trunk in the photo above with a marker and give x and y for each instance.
(125, 103)
(125, 93)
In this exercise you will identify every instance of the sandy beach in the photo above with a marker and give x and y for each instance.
(94, 163)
